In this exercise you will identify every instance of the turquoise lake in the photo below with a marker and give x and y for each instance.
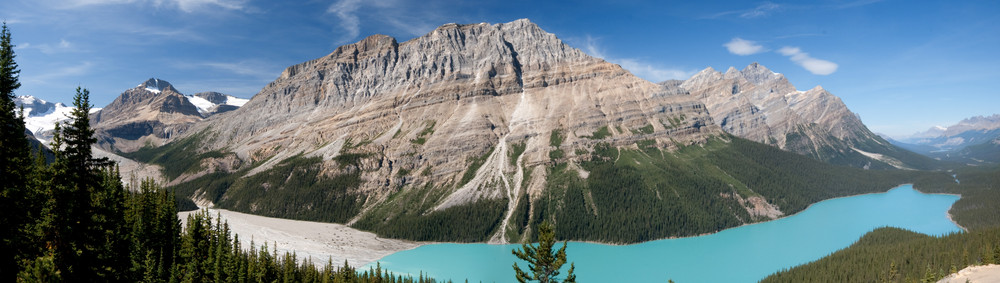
(743, 254)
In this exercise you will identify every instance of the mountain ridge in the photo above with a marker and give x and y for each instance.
(761, 105)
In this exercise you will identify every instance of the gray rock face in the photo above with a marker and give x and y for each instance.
(432, 103)
(762, 106)
(150, 113)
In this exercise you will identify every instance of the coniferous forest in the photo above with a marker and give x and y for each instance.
(72, 219)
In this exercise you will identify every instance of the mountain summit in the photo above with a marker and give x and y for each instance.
(761, 105)
(155, 85)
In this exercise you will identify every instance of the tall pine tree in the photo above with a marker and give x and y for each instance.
(14, 165)
(85, 225)
(543, 262)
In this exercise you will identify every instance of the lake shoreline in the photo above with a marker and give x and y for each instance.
(361, 248)
(761, 222)
(823, 228)
(950, 218)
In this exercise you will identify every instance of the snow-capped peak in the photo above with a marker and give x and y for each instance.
(155, 85)
(40, 116)
(210, 102)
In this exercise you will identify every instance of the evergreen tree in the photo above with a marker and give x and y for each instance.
(543, 264)
(85, 221)
(14, 163)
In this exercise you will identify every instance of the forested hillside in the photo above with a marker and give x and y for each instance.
(894, 255)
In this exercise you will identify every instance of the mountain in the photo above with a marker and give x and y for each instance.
(763, 106)
(969, 131)
(972, 140)
(480, 132)
(210, 103)
(40, 116)
(149, 113)
(152, 113)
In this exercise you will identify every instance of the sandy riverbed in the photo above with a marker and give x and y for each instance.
(317, 240)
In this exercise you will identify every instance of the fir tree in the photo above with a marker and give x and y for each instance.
(14, 163)
(85, 224)
(543, 262)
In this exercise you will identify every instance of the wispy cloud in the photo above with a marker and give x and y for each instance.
(345, 11)
(813, 65)
(853, 4)
(638, 67)
(743, 47)
(62, 72)
(255, 69)
(762, 10)
(62, 47)
(400, 15)
(197, 5)
(188, 6)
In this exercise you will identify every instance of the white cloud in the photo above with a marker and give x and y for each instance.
(761, 10)
(62, 47)
(345, 11)
(188, 6)
(196, 5)
(412, 18)
(813, 65)
(637, 67)
(743, 47)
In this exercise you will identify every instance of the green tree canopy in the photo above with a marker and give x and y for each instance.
(543, 263)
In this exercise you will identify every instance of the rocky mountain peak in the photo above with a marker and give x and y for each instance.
(150, 112)
(758, 104)
(155, 85)
(758, 74)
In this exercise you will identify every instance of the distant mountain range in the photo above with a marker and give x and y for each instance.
(974, 140)
(40, 116)
(480, 132)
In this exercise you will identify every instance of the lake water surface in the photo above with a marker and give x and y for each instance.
(743, 254)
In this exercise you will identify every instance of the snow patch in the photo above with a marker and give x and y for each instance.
(153, 89)
(203, 105)
(235, 101)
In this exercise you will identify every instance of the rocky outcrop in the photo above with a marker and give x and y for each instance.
(760, 105)
(148, 114)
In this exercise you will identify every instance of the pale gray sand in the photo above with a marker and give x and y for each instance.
(975, 274)
(310, 239)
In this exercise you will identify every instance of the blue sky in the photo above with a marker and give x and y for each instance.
(903, 66)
